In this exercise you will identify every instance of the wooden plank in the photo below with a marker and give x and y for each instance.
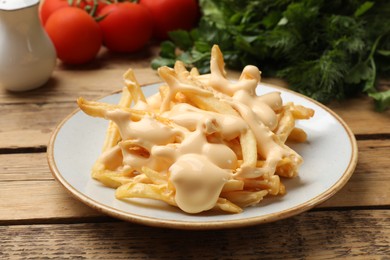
(39, 199)
(24, 167)
(361, 117)
(26, 183)
(29, 191)
(67, 85)
(357, 234)
(30, 125)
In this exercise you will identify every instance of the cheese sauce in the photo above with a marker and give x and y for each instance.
(198, 182)
(198, 168)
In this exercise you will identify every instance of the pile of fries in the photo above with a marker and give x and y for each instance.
(202, 142)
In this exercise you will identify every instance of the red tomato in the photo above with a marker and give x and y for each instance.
(170, 15)
(75, 35)
(126, 27)
(50, 6)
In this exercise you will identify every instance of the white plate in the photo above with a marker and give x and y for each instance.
(330, 157)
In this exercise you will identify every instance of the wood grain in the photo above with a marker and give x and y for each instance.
(29, 192)
(361, 117)
(24, 167)
(312, 235)
(67, 85)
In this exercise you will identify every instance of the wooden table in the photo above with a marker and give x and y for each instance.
(39, 219)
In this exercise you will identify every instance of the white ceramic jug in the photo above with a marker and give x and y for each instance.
(27, 56)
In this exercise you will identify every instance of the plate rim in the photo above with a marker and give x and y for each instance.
(215, 224)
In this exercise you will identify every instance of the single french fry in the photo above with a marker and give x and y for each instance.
(211, 103)
(301, 112)
(112, 135)
(286, 125)
(245, 198)
(194, 72)
(282, 189)
(286, 168)
(92, 108)
(142, 178)
(256, 184)
(217, 62)
(274, 185)
(249, 149)
(133, 86)
(99, 109)
(181, 71)
(297, 135)
(233, 185)
(111, 178)
(226, 205)
(143, 190)
(154, 176)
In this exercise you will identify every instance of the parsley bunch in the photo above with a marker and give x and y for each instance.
(324, 49)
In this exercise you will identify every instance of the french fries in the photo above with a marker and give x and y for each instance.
(205, 143)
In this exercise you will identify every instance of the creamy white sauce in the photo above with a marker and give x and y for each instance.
(197, 168)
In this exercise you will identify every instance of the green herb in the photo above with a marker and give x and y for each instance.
(324, 49)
